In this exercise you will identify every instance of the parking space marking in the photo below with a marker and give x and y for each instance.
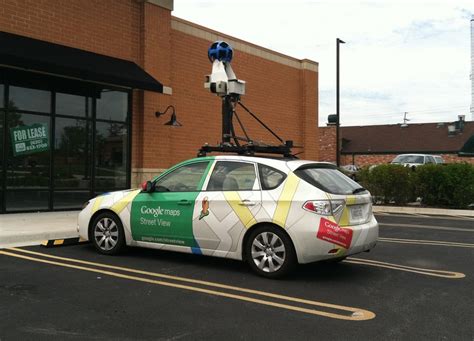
(349, 313)
(446, 228)
(422, 271)
(408, 215)
(425, 242)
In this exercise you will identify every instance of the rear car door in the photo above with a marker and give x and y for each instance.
(165, 215)
(227, 207)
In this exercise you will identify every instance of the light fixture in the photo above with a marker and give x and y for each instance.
(173, 121)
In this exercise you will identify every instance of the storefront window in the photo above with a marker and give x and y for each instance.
(30, 99)
(112, 105)
(2, 94)
(59, 156)
(72, 105)
(26, 200)
(28, 150)
(72, 153)
(70, 199)
(111, 155)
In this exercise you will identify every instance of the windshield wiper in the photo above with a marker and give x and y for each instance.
(358, 190)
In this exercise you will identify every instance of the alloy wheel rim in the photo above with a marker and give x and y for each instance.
(268, 252)
(106, 234)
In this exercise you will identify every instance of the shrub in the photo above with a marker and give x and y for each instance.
(430, 184)
(458, 185)
(450, 185)
(390, 183)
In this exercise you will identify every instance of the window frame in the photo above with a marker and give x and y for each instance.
(179, 166)
(260, 172)
(255, 168)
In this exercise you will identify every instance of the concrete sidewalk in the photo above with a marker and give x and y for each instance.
(23, 229)
(422, 210)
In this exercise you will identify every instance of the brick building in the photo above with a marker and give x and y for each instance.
(84, 79)
(377, 144)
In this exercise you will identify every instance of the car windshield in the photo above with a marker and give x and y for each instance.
(328, 179)
(408, 159)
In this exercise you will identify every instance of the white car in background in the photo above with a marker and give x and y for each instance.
(272, 213)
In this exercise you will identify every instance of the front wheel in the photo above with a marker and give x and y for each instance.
(269, 252)
(107, 233)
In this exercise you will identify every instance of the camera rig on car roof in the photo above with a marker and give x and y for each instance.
(224, 83)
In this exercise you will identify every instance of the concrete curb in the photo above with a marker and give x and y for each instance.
(27, 229)
(422, 210)
(30, 238)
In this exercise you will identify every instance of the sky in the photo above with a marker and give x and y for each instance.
(400, 56)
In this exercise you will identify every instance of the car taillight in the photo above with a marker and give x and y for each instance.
(324, 207)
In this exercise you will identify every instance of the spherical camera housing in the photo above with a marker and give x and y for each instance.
(220, 50)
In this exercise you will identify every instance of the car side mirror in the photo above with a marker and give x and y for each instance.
(148, 186)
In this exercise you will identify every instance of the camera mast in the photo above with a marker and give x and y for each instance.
(223, 82)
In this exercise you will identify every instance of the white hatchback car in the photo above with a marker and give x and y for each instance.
(272, 213)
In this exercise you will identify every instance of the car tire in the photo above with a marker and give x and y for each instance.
(106, 233)
(269, 252)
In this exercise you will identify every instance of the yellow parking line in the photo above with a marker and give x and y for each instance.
(353, 314)
(423, 271)
(429, 227)
(425, 242)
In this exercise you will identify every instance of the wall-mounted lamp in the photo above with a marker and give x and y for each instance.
(173, 121)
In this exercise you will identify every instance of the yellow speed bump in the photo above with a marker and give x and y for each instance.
(63, 242)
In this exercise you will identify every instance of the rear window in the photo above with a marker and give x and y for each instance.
(328, 179)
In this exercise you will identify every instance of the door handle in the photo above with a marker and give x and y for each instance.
(184, 202)
(247, 203)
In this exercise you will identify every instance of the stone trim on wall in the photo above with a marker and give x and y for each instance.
(241, 45)
(139, 175)
(168, 4)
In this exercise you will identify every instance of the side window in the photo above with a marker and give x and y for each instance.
(270, 177)
(232, 176)
(183, 179)
(430, 159)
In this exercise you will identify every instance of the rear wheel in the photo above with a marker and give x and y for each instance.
(269, 252)
(107, 233)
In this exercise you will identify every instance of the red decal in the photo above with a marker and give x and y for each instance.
(333, 233)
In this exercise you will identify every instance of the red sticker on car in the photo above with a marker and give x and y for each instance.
(333, 233)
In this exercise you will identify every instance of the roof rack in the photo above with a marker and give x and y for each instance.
(249, 149)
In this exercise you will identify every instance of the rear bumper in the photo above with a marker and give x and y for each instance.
(309, 248)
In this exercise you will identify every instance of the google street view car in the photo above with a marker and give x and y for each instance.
(272, 213)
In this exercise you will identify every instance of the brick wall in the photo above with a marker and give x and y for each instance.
(281, 90)
(107, 26)
(327, 144)
(327, 152)
(283, 96)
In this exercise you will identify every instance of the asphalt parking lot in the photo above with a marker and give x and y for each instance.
(416, 284)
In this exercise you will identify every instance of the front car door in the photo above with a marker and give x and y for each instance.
(165, 215)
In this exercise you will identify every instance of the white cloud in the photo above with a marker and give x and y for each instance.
(400, 56)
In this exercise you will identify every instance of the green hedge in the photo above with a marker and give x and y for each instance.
(450, 185)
